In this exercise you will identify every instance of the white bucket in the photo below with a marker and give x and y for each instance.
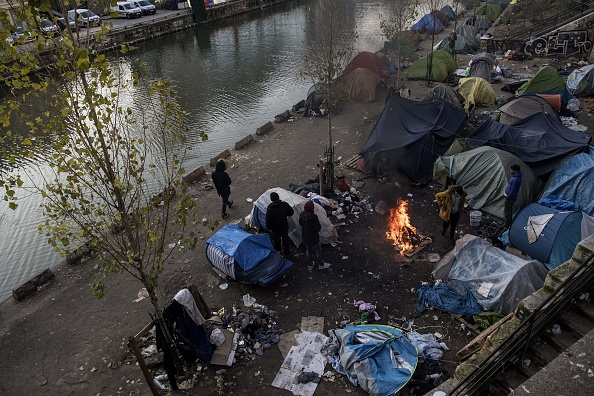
(475, 218)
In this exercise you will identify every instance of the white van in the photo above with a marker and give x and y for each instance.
(127, 9)
(146, 7)
(84, 17)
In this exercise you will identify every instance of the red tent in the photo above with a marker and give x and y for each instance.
(370, 61)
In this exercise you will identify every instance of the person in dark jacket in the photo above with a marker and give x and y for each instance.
(511, 193)
(310, 234)
(222, 183)
(277, 224)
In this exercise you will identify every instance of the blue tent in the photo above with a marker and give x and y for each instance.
(540, 140)
(412, 134)
(573, 181)
(379, 358)
(245, 257)
(449, 12)
(549, 235)
(428, 24)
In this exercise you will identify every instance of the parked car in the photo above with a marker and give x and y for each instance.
(85, 17)
(146, 7)
(20, 35)
(65, 21)
(127, 9)
(47, 27)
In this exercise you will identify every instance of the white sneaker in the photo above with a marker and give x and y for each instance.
(325, 266)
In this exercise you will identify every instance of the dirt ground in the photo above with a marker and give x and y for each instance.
(63, 341)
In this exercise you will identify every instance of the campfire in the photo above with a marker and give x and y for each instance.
(402, 233)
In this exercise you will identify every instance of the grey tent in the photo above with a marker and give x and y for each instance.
(412, 134)
(541, 141)
(481, 65)
(443, 92)
(484, 173)
(461, 45)
(479, 22)
(497, 279)
(523, 107)
(581, 81)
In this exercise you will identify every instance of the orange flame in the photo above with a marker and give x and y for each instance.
(400, 228)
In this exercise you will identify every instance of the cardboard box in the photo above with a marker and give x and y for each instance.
(224, 354)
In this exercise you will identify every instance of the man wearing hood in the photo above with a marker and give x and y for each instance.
(511, 193)
(222, 183)
(310, 234)
(277, 224)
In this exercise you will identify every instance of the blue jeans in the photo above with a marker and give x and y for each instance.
(317, 249)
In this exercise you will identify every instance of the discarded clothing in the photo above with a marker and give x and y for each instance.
(185, 298)
(446, 299)
(363, 306)
(427, 345)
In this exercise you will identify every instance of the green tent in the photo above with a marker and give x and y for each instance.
(546, 80)
(443, 64)
(489, 11)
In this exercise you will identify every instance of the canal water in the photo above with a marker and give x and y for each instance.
(231, 76)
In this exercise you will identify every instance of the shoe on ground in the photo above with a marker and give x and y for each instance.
(325, 266)
(229, 204)
(225, 215)
(310, 268)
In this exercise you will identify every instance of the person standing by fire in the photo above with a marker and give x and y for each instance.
(450, 203)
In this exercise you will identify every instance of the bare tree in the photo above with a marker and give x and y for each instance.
(328, 55)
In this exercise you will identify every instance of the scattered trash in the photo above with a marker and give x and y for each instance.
(142, 294)
(248, 300)
(224, 286)
(556, 329)
(150, 350)
(363, 306)
(249, 200)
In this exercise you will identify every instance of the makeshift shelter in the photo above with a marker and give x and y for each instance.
(489, 11)
(481, 65)
(480, 23)
(448, 11)
(484, 173)
(541, 141)
(498, 280)
(428, 24)
(442, 65)
(547, 81)
(257, 217)
(476, 90)
(581, 81)
(443, 92)
(370, 61)
(549, 235)
(522, 107)
(361, 84)
(573, 180)
(441, 167)
(312, 102)
(245, 257)
(412, 134)
(445, 21)
(466, 41)
(378, 358)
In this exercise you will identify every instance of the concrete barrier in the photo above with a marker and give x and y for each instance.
(264, 129)
(194, 175)
(282, 117)
(224, 154)
(244, 142)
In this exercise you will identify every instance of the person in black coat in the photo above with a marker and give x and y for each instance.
(277, 224)
(222, 183)
(310, 235)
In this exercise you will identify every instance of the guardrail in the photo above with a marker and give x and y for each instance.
(527, 332)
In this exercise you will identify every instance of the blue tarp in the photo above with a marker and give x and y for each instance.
(573, 181)
(559, 236)
(380, 358)
(246, 257)
(412, 135)
(428, 23)
(446, 299)
(541, 140)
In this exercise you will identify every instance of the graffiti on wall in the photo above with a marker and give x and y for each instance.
(560, 43)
